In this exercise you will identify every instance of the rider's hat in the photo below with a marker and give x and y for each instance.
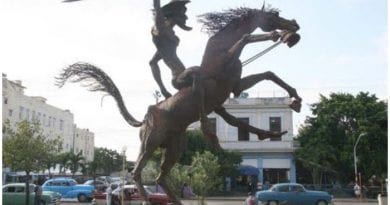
(173, 7)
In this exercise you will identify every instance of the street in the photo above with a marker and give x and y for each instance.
(239, 202)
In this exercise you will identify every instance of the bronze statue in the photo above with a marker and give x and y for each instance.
(165, 123)
(166, 42)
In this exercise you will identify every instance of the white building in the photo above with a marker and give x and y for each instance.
(84, 142)
(272, 160)
(54, 121)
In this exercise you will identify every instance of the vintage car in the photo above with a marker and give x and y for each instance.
(292, 194)
(98, 184)
(131, 196)
(69, 188)
(15, 194)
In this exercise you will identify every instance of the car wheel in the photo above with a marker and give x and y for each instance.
(322, 203)
(273, 203)
(82, 198)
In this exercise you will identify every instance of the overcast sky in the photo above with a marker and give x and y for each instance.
(343, 48)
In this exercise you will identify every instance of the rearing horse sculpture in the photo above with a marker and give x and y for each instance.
(165, 123)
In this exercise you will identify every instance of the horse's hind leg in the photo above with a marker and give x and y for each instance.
(249, 81)
(150, 141)
(171, 155)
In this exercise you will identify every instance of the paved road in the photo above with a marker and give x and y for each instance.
(239, 202)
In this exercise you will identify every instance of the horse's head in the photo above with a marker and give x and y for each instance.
(269, 20)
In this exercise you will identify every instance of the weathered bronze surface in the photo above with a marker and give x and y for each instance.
(218, 75)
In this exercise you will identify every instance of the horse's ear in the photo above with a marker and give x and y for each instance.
(263, 7)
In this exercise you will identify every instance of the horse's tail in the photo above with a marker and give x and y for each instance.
(96, 80)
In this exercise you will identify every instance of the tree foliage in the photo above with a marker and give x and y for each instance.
(205, 179)
(328, 137)
(107, 161)
(228, 161)
(76, 162)
(27, 149)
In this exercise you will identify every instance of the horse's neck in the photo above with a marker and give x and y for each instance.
(234, 32)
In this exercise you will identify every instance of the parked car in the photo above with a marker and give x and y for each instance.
(131, 196)
(15, 194)
(69, 188)
(292, 194)
(99, 185)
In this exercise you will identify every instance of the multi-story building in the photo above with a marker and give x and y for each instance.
(271, 160)
(54, 122)
(84, 142)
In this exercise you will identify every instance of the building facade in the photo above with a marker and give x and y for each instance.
(272, 159)
(84, 142)
(54, 122)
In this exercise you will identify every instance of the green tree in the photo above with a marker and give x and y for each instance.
(27, 148)
(228, 160)
(205, 179)
(63, 161)
(328, 137)
(76, 161)
(108, 161)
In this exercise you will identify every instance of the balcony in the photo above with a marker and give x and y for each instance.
(259, 146)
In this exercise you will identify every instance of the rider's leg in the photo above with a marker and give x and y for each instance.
(249, 81)
(157, 75)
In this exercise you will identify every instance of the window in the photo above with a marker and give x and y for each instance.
(10, 113)
(27, 114)
(19, 189)
(44, 120)
(275, 126)
(61, 124)
(39, 117)
(213, 123)
(5, 100)
(9, 189)
(21, 110)
(33, 117)
(54, 122)
(243, 134)
(49, 123)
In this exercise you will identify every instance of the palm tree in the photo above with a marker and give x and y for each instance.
(76, 161)
(63, 161)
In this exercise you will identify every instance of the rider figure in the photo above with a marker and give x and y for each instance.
(166, 42)
(164, 38)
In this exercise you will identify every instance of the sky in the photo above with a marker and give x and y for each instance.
(343, 48)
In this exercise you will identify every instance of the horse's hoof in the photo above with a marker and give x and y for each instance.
(296, 106)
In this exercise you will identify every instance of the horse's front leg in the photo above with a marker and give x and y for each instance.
(235, 50)
(249, 81)
(232, 120)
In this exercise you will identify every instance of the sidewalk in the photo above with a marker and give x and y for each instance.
(239, 198)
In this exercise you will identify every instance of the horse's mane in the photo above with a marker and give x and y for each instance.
(215, 21)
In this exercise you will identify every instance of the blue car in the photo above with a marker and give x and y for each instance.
(292, 194)
(69, 188)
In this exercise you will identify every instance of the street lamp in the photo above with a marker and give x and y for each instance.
(124, 148)
(354, 154)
